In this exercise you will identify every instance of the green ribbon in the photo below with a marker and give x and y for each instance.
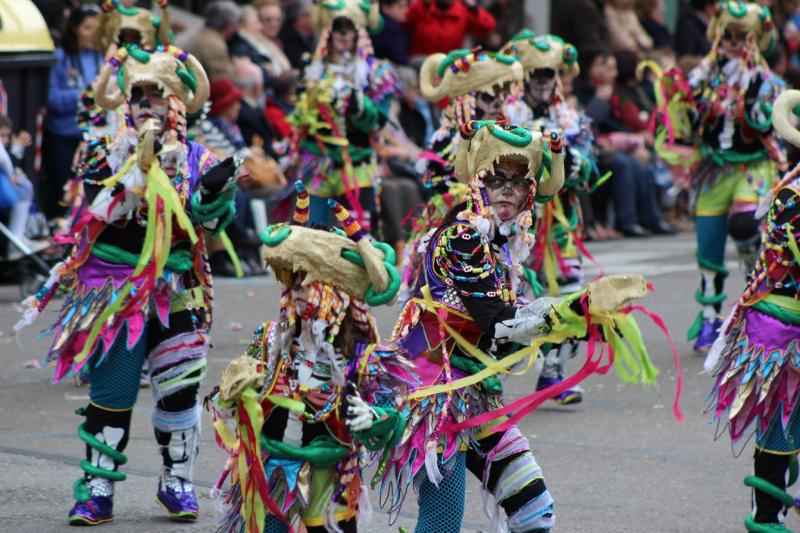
(770, 307)
(707, 264)
(385, 432)
(178, 260)
(322, 452)
(490, 384)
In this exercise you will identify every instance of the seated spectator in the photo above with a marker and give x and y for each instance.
(443, 25)
(631, 102)
(16, 191)
(624, 28)
(77, 63)
(392, 42)
(651, 16)
(209, 45)
(251, 120)
(632, 187)
(415, 114)
(271, 16)
(248, 42)
(297, 34)
(690, 33)
(279, 105)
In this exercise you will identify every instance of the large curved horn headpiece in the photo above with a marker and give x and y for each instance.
(543, 51)
(753, 18)
(486, 142)
(782, 109)
(466, 71)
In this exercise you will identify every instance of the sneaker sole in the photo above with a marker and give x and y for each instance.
(569, 400)
(83, 521)
(185, 516)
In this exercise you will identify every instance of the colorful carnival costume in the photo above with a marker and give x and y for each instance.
(137, 278)
(724, 108)
(338, 112)
(460, 329)
(756, 358)
(321, 390)
(462, 77)
(119, 27)
(558, 249)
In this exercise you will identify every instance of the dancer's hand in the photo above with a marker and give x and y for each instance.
(360, 415)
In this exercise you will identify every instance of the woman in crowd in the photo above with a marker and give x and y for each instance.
(77, 64)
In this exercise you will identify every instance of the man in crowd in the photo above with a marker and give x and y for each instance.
(209, 44)
(443, 25)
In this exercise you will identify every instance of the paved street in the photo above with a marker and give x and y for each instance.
(616, 463)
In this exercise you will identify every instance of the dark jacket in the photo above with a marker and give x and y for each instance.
(658, 32)
(580, 22)
(690, 36)
(391, 42)
(295, 45)
(252, 122)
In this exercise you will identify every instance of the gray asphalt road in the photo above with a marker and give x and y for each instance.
(618, 462)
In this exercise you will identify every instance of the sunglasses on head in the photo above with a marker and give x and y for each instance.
(495, 182)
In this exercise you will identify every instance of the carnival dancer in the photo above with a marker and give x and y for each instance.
(337, 113)
(475, 85)
(313, 389)
(137, 277)
(119, 26)
(463, 324)
(724, 109)
(558, 248)
(755, 358)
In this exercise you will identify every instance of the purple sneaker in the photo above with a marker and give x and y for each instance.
(93, 512)
(177, 497)
(568, 397)
(708, 334)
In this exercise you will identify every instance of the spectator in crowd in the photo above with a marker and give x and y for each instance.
(632, 187)
(651, 16)
(580, 22)
(18, 198)
(226, 102)
(631, 102)
(415, 115)
(510, 18)
(443, 25)
(280, 104)
(690, 33)
(248, 77)
(77, 63)
(249, 42)
(209, 45)
(297, 34)
(624, 28)
(270, 15)
(392, 42)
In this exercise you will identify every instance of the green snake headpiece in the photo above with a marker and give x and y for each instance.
(543, 51)
(177, 72)
(152, 30)
(466, 71)
(346, 258)
(753, 18)
(362, 13)
(486, 142)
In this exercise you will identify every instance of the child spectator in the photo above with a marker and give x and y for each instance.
(16, 194)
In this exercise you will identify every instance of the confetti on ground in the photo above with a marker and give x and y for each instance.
(33, 363)
(252, 294)
(235, 326)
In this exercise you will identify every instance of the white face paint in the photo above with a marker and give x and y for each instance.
(507, 189)
(542, 86)
(148, 102)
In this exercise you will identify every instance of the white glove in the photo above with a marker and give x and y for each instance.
(528, 323)
(360, 415)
